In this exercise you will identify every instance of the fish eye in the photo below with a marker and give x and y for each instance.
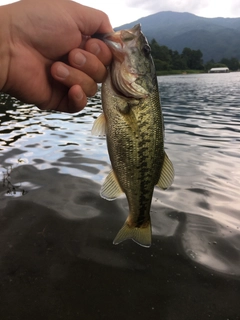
(146, 49)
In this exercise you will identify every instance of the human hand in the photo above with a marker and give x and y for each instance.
(49, 58)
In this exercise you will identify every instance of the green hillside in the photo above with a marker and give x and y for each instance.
(217, 38)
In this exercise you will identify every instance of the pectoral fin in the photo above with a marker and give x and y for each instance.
(99, 126)
(111, 189)
(167, 174)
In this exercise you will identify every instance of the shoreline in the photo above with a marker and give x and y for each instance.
(186, 72)
(179, 72)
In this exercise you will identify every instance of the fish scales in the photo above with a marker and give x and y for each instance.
(134, 131)
(131, 145)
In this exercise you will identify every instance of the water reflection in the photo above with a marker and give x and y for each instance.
(202, 138)
(56, 239)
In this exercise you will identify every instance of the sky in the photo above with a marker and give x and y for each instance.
(124, 11)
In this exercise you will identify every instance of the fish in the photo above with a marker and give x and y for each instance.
(132, 121)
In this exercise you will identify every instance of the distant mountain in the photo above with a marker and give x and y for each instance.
(217, 38)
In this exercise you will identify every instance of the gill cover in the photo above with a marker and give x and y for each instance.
(132, 70)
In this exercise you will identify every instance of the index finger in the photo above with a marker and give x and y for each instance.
(100, 50)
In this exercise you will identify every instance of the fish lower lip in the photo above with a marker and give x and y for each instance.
(110, 40)
(112, 44)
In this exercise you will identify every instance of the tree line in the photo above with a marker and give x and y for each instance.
(166, 59)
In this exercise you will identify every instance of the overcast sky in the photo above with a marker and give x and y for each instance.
(123, 11)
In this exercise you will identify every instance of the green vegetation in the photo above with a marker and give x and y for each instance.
(169, 72)
(168, 61)
(233, 64)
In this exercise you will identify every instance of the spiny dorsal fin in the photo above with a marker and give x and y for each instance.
(99, 126)
(167, 173)
(111, 189)
(141, 235)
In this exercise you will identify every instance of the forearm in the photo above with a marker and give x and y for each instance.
(4, 46)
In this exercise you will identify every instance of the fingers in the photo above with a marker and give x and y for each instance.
(86, 69)
(77, 98)
(92, 60)
(88, 63)
(100, 50)
(70, 76)
(64, 100)
(86, 66)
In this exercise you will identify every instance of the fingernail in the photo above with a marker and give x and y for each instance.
(94, 48)
(79, 95)
(62, 72)
(79, 59)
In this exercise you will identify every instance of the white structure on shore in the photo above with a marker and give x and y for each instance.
(219, 70)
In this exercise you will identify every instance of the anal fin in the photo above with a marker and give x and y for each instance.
(167, 173)
(111, 189)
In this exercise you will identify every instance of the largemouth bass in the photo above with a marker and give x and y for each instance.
(133, 123)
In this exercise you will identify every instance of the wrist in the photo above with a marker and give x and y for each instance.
(4, 46)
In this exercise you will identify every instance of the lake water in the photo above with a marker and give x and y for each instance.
(57, 260)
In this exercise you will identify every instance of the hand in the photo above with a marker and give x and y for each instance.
(51, 60)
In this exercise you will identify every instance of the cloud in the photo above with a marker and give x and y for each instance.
(235, 9)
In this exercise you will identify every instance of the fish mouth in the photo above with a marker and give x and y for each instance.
(114, 43)
(126, 76)
(109, 38)
(115, 40)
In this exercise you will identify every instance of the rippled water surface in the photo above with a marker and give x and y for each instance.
(56, 232)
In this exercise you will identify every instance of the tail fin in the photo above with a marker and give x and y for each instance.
(141, 235)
